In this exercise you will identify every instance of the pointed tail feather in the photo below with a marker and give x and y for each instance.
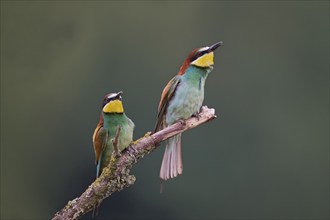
(172, 159)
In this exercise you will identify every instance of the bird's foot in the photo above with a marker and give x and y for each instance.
(117, 153)
(196, 115)
(182, 122)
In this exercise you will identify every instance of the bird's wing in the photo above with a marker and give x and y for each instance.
(167, 95)
(100, 138)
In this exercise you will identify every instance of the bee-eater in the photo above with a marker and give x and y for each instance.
(111, 117)
(181, 98)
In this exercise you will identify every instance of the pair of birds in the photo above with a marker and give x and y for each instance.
(181, 98)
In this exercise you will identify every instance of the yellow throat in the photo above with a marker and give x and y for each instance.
(204, 61)
(115, 106)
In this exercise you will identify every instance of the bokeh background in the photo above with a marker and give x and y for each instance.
(265, 156)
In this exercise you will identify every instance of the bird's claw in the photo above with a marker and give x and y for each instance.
(182, 122)
(197, 115)
(118, 154)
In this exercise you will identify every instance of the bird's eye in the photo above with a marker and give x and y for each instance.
(196, 56)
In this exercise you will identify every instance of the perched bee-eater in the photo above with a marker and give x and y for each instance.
(181, 98)
(111, 118)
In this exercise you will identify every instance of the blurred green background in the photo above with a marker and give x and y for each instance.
(265, 156)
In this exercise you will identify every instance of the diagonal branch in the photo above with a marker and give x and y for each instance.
(115, 176)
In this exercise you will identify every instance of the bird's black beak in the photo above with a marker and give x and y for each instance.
(119, 94)
(215, 46)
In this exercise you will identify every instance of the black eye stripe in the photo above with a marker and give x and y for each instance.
(198, 54)
(113, 98)
(110, 98)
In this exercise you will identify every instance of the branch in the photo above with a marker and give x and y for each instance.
(115, 176)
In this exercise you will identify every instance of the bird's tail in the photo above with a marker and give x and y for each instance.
(172, 159)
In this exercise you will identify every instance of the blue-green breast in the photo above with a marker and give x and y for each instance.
(189, 95)
(111, 123)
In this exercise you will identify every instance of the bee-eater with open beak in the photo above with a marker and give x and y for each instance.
(181, 98)
(111, 117)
